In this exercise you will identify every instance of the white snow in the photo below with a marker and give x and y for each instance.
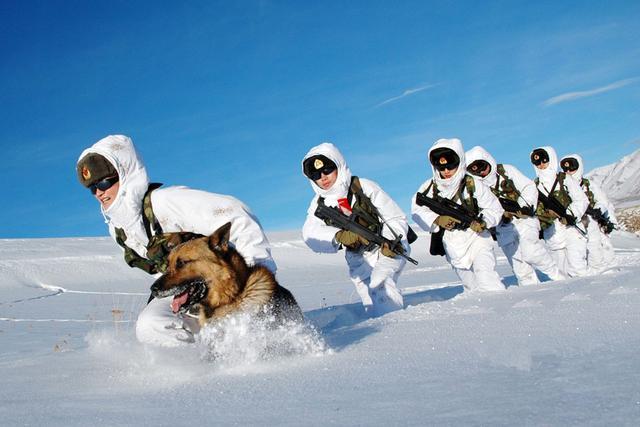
(563, 353)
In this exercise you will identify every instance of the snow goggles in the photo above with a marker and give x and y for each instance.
(569, 164)
(539, 156)
(316, 166)
(104, 184)
(444, 158)
(478, 166)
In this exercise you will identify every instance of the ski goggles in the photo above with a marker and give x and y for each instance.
(316, 166)
(104, 184)
(569, 164)
(478, 166)
(444, 158)
(539, 157)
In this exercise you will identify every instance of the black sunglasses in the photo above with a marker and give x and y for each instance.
(539, 157)
(478, 166)
(315, 175)
(569, 164)
(103, 185)
(449, 165)
(444, 158)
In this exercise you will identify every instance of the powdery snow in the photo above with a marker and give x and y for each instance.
(563, 353)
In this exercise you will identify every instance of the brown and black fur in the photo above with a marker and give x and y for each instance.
(219, 282)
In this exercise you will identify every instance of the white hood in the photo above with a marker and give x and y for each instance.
(548, 176)
(341, 186)
(126, 210)
(479, 153)
(448, 187)
(578, 174)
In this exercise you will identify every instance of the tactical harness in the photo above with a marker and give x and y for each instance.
(546, 218)
(160, 243)
(506, 188)
(587, 190)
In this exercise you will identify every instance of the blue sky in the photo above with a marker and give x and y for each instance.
(229, 96)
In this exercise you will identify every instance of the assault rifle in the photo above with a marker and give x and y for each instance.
(448, 207)
(443, 206)
(551, 203)
(512, 206)
(337, 219)
(602, 220)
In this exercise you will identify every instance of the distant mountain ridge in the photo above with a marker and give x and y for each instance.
(620, 181)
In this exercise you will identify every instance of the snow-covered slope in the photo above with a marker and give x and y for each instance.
(620, 181)
(563, 353)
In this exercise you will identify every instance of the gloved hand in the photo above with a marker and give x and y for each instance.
(478, 226)
(521, 214)
(386, 250)
(447, 222)
(350, 239)
(552, 213)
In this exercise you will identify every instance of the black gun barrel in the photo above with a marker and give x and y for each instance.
(443, 206)
(551, 203)
(513, 207)
(344, 222)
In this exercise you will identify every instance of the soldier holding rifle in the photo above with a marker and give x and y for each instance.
(560, 203)
(374, 264)
(459, 210)
(517, 233)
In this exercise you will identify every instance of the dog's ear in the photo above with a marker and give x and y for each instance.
(219, 240)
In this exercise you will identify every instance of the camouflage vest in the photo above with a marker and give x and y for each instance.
(361, 206)
(470, 203)
(561, 194)
(585, 184)
(505, 188)
(160, 244)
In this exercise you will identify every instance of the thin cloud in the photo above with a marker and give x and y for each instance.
(406, 93)
(570, 96)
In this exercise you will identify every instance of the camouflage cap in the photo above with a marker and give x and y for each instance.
(93, 168)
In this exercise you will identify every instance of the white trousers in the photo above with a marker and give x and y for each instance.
(569, 249)
(375, 278)
(526, 252)
(599, 248)
(608, 251)
(481, 275)
(577, 253)
(158, 325)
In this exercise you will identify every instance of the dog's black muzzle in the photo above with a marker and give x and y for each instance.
(196, 290)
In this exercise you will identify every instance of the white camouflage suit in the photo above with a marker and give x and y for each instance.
(599, 249)
(177, 209)
(567, 245)
(470, 253)
(519, 237)
(374, 275)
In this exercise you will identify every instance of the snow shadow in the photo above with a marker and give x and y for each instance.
(438, 294)
(341, 327)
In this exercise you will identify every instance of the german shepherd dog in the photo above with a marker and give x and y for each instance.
(208, 279)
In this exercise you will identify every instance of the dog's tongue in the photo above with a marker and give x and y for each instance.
(179, 301)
